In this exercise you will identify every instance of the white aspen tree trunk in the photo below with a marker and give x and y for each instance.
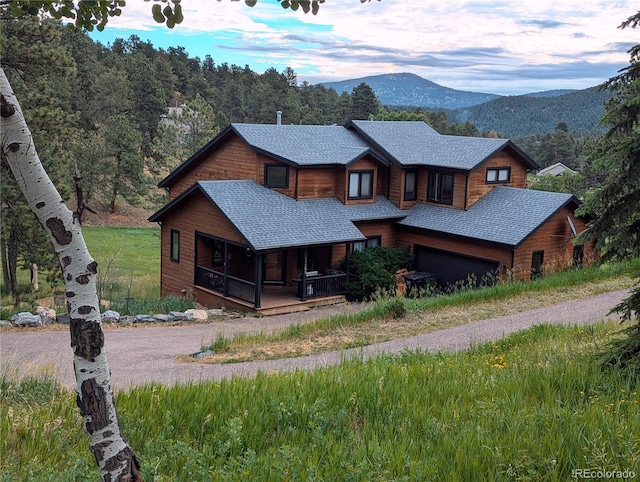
(114, 457)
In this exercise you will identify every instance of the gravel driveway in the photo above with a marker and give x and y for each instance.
(144, 354)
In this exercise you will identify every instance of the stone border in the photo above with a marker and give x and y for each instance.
(42, 315)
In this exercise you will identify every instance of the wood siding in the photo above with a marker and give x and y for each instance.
(364, 164)
(188, 218)
(478, 185)
(263, 161)
(319, 182)
(232, 160)
(396, 186)
(554, 238)
(478, 249)
(459, 188)
(384, 229)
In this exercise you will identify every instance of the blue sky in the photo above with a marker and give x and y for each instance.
(501, 47)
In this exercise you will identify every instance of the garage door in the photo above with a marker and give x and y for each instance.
(452, 267)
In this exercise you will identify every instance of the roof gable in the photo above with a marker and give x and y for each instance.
(304, 145)
(298, 145)
(555, 170)
(417, 144)
(506, 215)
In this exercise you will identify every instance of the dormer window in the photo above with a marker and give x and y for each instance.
(360, 184)
(440, 189)
(498, 175)
(276, 176)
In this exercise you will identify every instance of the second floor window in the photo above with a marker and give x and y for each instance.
(360, 184)
(497, 175)
(410, 186)
(276, 175)
(440, 189)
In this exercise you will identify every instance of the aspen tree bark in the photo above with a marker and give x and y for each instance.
(114, 457)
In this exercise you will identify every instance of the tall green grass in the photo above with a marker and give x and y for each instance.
(128, 267)
(534, 406)
(389, 306)
(128, 261)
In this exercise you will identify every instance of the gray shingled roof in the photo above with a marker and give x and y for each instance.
(305, 145)
(394, 129)
(417, 144)
(380, 210)
(269, 220)
(505, 215)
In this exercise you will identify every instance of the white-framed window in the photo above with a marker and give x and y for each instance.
(360, 184)
(371, 242)
(496, 175)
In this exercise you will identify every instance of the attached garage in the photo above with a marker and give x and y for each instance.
(450, 268)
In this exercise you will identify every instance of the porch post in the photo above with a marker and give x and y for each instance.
(226, 268)
(346, 260)
(304, 274)
(258, 284)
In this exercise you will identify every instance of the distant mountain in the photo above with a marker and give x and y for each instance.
(523, 115)
(509, 116)
(404, 90)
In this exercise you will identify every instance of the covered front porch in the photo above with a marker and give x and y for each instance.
(274, 280)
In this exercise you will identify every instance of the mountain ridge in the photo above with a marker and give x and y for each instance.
(406, 89)
(512, 116)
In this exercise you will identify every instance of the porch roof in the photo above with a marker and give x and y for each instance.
(505, 215)
(270, 220)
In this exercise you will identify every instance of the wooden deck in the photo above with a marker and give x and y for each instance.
(274, 300)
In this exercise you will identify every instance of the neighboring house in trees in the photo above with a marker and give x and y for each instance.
(266, 216)
(555, 170)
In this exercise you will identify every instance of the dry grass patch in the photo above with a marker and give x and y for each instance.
(324, 337)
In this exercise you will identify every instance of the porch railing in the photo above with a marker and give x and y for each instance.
(322, 286)
(215, 281)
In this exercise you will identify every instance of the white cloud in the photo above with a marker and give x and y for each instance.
(504, 46)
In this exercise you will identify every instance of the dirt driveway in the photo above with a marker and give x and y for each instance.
(144, 354)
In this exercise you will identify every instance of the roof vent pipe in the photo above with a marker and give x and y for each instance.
(279, 117)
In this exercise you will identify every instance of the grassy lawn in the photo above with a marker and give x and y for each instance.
(128, 260)
(128, 263)
(534, 406)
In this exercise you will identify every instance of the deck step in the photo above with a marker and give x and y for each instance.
(282, 310)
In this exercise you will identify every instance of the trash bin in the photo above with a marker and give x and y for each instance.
(416, 283)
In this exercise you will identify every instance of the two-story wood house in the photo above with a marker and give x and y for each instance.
(267, 215)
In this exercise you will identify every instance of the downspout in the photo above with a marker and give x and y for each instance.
(466, 190)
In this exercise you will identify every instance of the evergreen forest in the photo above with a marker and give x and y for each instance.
(110, 121)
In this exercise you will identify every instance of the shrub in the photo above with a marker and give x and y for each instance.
(374, 269)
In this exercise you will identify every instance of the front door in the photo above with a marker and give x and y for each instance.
(273, 270)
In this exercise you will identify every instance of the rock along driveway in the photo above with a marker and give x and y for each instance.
(143, 354)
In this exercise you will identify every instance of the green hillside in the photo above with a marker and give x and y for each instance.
(518, 116)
